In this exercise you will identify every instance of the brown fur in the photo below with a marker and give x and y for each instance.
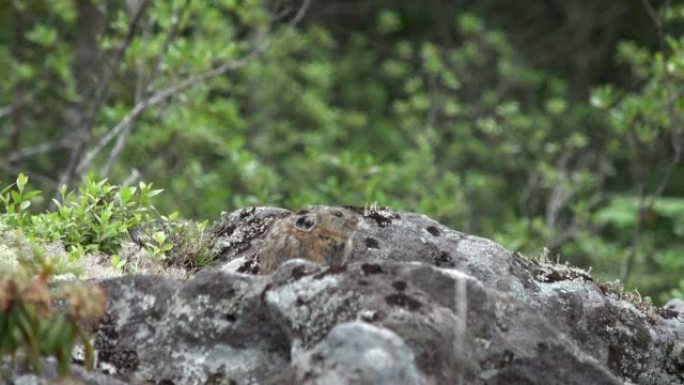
(320, 234)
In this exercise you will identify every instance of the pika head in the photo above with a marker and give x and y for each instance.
(319, 234)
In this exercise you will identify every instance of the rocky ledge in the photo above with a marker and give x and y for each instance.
(418, 303)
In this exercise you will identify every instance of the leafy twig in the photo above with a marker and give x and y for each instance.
(168, 92)
(646, 202)
(85, 127)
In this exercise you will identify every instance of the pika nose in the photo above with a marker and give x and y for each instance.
(305, 222)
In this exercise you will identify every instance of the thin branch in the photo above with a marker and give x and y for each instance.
(116, 150)
(162, 95)
(135, 175)
(636, 237)
(145, 85)
(167, 42)
(637, 172)
(646, 202)
(676, 134)
(300, 13)
(100, 95)
(159, 97)
(40, 178)
(103, 90)
(36, 150)
(6, 111)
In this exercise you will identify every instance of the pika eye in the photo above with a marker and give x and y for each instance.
(338, 214)
(305, 223)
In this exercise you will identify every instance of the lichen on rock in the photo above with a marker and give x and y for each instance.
(418, 303)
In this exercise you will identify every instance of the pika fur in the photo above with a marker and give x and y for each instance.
(319, 234)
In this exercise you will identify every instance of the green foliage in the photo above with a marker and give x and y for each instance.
(15, 201)
(97, 218)
(31, 329)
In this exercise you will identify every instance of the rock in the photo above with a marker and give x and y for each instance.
(358, 353)
(49, 377)
(418, 303)
(244, 329)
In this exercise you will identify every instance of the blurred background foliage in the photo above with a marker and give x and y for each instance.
(538, 124)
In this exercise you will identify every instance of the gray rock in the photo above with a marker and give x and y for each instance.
(49, 377)
(358, 353)
(419, 303)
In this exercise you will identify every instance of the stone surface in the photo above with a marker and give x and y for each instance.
(358, 353)
(418, 303)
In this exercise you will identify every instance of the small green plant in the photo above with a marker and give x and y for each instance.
(31, 329)
(118, 263)
(174, 241)
(190, 244)
(95, 218)
(99, 216)
(15, 201)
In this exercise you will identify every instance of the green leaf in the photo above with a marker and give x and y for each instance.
(24, 205)
(43, 35)
(21, 181)
(388, 22)
(159, 237)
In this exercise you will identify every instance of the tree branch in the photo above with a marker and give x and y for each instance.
(145, 85)
(168, 92)
(646, 202)
(157, 98)
(40, 178)
(85, 127)
(6, 111)
(35, 150)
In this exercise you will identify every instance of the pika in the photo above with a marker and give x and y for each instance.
(319, 234)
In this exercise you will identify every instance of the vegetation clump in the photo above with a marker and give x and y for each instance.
(41, 316)
(32, 327)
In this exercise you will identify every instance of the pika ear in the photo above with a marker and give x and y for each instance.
(305, 222)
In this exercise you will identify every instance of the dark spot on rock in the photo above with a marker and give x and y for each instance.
(337, 269)
(357, 209)
(542, 347)
(247, 212)
(250, 266)
(442, 259)
(230, 317)
(370, 269)
(399, 285)
(126, 360)
(263, 293)
(363, 282)
(317, 357)
(298, 272)
(299, 301)
(218, 379)
(371, 243)
(433, 230)
(667, 313)
(507, 358)
(382, 218)
(165, 381)
(227, 231)
(331, 271)
(616, 357)
(403, 300)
